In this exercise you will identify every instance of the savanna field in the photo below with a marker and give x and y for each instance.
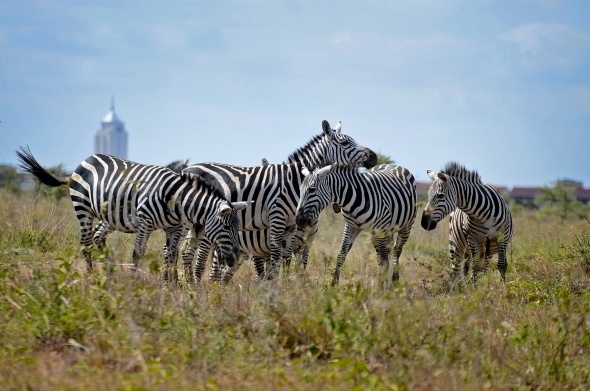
(62, 328)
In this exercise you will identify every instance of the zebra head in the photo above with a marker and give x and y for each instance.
(333, 147)
(343, 149)
(222, 228)
(315, 195)
(442, 200)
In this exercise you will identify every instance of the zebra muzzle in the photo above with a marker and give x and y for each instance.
(303, 220)
(426, 222)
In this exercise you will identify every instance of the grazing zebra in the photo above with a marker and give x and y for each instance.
(102, 228)
(132, 197)
(481, 221)
(383, 199)
(257, 244)
(274, 188)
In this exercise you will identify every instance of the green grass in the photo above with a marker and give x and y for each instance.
(61, 328)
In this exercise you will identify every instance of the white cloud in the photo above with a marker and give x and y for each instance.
(553, 46)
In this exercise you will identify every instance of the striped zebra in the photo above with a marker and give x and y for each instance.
(102, 229)
(138, 198)
(257, 245)
(383, 199)
(480, 224)
(274, 188)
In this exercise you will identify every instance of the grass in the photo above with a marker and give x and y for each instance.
(61, 328)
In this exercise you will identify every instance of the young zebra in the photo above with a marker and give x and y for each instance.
(274, 188)
(481, 221)
(132, 197)
(383, 199)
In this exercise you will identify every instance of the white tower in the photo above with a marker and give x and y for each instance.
(111, 138)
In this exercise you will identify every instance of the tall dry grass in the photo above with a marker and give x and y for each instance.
(61, 328)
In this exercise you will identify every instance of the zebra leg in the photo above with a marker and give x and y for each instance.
(86, 233)
(302, 249)
(348, 237)
(478, 255)
(259, 263)
(400, 241)
(456, 260)
(380, 241)
(173, 236)
(189, 247)
(502, 262)
(216, 271)
(203, 252)
(276, 243)
(144, 229)
(287, 246)
(100, 236)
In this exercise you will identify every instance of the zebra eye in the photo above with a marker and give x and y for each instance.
(311, 190)
(440, 196)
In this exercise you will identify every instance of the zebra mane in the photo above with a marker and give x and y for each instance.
(178, 165)
(302, 154)
(456, 170)
(204, 181)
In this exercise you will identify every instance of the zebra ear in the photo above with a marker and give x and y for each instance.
(327, 129)
(443, 177)
(265, 162)
(240, 205)
(322, 172)
(431, 174)
(338, 127)
(224, 209)
(305, 171)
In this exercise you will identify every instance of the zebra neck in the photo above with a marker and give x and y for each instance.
(345, 189)
(313, 155)
(470, 198)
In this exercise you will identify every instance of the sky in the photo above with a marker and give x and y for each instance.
(502, 87)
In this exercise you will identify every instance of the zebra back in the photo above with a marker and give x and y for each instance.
(382, 198)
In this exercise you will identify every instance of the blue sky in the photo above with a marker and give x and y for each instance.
(499, 86)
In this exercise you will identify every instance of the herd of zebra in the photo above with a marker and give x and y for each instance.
(270, 212)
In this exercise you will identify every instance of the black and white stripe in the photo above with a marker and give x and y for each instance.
(481, 223)
(274, 188)
(256, 244)
(383, 199)
(136, 198)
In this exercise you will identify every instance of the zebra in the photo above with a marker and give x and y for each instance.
(383, 199)
(480, 222)
(137, 198)
(257, 245)
(102, 228)
(275, 189)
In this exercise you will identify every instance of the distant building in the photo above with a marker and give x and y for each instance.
(111, 138)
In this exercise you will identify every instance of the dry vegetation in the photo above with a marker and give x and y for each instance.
(63, 329)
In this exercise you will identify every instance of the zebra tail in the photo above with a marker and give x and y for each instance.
(488, 243)
(30, 165)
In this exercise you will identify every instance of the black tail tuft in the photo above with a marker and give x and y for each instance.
(29, 164)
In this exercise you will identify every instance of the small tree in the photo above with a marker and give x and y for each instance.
(560, 199)
(384, 159)
(9, 178)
